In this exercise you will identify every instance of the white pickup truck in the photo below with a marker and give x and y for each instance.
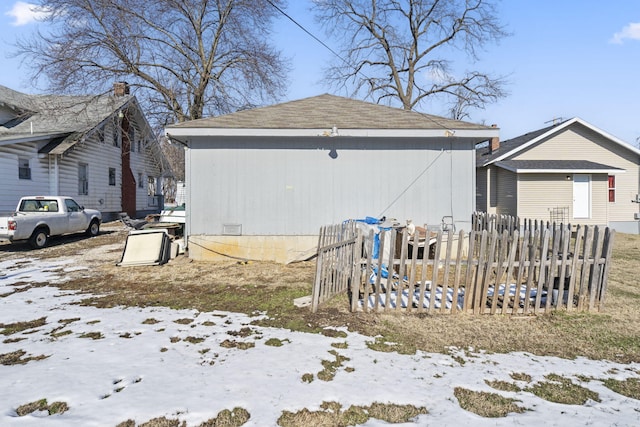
(38, 217)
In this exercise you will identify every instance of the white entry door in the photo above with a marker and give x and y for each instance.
(581, 196)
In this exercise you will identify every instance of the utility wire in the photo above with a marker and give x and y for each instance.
(352, 66)
(410, 185)
(311, 34)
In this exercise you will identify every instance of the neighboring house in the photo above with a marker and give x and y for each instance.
(571, 172)
(98, 149)
(260, 183)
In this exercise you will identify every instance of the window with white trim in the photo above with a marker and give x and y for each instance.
(24, 170)
(612, 188)
(83, 179)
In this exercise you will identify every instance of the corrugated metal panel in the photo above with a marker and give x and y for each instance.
(292, 187)
(578, 143)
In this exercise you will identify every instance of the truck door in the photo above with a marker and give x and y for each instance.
(77, 218)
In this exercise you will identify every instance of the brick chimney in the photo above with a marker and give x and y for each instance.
(494, 143)
(120, 88)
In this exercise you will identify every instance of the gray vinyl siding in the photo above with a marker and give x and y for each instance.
(580, 143)
(481, 189)
(506, 192)
(291, 186)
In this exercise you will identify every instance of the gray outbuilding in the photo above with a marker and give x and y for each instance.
(261, 182)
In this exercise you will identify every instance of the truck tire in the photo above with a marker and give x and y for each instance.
(39, 238)
(94, 228)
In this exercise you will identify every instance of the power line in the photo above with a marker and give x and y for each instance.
(352, 66)
(310, 33)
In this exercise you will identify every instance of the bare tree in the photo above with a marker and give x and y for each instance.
(183, 58)
(397, 50)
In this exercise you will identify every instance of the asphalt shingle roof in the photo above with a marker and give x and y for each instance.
(48, 115)
(325, 111)
(484, 156)
(556, 165)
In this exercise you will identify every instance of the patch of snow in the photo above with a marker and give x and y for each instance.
(141, 370)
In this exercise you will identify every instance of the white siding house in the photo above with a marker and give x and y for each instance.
(97, 149)
(260, 183)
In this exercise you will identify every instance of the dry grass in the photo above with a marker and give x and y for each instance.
(18, 358)
(225, 418)
(256, 287)
(559, 389)
(488, 405)
(629, 387)
(269, 288)
(42, 405)
(332, 415)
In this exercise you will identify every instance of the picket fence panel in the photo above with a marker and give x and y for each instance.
(503, 269)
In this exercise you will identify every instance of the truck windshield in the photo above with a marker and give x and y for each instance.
(39, 205)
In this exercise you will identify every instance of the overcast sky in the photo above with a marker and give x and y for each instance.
(564, 59)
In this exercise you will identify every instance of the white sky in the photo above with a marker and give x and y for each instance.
(110, 380)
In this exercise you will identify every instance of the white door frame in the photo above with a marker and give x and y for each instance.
(581, 196)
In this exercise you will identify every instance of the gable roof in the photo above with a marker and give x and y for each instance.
(319, 115)
(40, 117)
(513, 146)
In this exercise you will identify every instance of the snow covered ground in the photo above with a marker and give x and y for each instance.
(152, 362)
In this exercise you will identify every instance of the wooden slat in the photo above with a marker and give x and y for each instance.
(513, 250)
(564, 264)
(381, 244)
(447, 266)
(412, 272)
(423, 275)
(479, 276)
(542, 270)
(607, 250)
(470, 271)
(458, 271)
(553, 266)
(595, 267)
(434, 273)
(502, 249)
(488, 270)
(531, 269)
(402, 270)
(368, 272)
(574, 268)
(356, 272)
(586, 253)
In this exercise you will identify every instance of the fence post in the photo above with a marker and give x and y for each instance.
(607, 251)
